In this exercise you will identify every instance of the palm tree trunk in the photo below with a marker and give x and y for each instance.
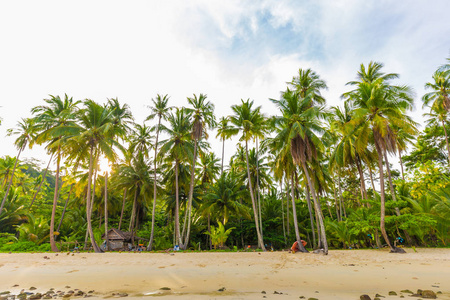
(106, 212)
(371, 179)
(88, 203)
(287, 208)
(282, 212)
(42, 181)
(401, 163)
(223, 154)
(55, 203)
(446, 141)
(336, 200)
(341, 200)
(152, 234)
(391, 186)
(294, 213)
(361, 179)
(311, 217)
(123, 207)
(10, 180)
(177, 207)
(257, 191)
(65, 207)
(209, 230)
(255, 214)
(133, 210)
(318, 210)
(191, 194)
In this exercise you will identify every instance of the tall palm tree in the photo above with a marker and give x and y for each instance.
(224, 131)
(177, 148)
(26, 130)
(96, 134)
(161, 110)
(300, 124)
(439, 100)
(202, 114)
(379, 106)
(55, 121)
(249, 122)
(309, 83)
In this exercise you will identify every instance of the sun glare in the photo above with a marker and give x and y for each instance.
(104, 165)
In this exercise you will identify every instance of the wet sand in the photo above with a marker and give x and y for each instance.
(343, 274)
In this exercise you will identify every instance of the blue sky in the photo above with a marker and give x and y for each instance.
(226, 49)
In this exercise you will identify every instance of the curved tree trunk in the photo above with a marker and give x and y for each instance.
(361, 179)
(55, 203)
(10, 180)
(106, 212)
(318, 210)
(311, 217)
(88, 203)
(258, 192)
(341, 199)
(287, 208)
(152, 234)
(123, 207)
(133, 210)
(294, 213)
(255, 213)
(42, 181)
(282, 212)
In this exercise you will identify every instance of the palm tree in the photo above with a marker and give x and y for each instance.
(379, 107)
(439, 100)
(250, 123)
(202, 114)
(224, 131)
(309, 83)
(299, 124)
(177, 148)
(56, 121)
(160, 109)
(96, 134)
(26, 131)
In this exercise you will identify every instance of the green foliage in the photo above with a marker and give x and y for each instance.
(219, 235)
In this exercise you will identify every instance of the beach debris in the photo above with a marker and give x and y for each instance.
(365, 297)
(67, 287)
(313, 299)
(221, 289)
(392, 293)
(379, 296)
(407, 291)
(35, 296)
(301, 297)
(165, 288)
(263, 292)
(32, 288)
(15, 285)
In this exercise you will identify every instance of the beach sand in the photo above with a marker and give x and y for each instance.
(343, 274)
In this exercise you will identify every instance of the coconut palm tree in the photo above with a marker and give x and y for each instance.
(161, 110)
(177, 148)
(378, 107)
(224, 131)
(308, 82)
(202, 114)
(439, 100)
(26, 130)
(55, 121)
(250, 123)
(300, 124)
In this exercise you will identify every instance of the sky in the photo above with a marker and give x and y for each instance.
(228, 50)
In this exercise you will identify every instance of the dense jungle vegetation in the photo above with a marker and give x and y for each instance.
(309, 171)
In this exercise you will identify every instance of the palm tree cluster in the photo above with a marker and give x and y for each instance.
(305, 168)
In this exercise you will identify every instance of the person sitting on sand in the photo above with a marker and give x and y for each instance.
(295, 247)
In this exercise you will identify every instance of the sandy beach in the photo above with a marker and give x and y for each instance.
(343, 274)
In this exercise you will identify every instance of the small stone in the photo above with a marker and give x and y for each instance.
(4, 293)
(67, 295)
(67, 287)
(35, 297)
(221, 289)
(365, 297)
(419, 292)
(263, 292)
(15, 285)
(275, 292)
(376, 298)
(47, 297)
(438, 292)
(32, 288)
(402, 296)
(122, 294)
(165, 288)
(379, 296)
(301, 297)
(90, 292)
(313, 299)
(392, 293)
(407, 291)
(22, 296)
(429, 294)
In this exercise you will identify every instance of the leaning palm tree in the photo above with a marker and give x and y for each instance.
(378, 107)
(26, 131)
(250, 122)
(55, 121)
(300, 124)
(439, 100)
(161, 110)
(202, 114)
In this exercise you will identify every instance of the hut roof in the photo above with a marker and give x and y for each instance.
(116, 234)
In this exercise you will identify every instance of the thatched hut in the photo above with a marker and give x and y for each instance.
(120, 240)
